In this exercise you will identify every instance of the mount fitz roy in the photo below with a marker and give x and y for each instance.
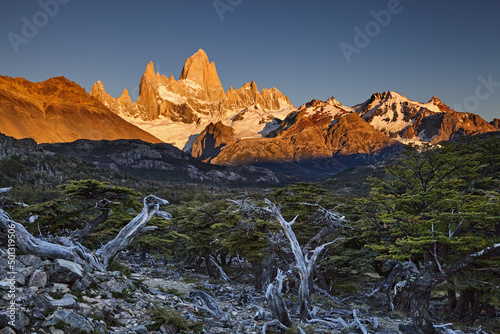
(177, 111)
(241, 126)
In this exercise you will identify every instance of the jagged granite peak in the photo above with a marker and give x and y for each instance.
(59, 110)
(125, 97)
(178, 111)
(199, 70)
(150, 71)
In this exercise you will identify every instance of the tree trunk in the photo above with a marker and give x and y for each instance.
(208, 264)
(257, 275)
(303, 262)
(74, 251)
(321, 279)
(414, 300)
(452, 300)
(275, 301)
(469, 307)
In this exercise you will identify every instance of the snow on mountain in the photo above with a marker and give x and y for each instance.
(178, 111)
(412, 121)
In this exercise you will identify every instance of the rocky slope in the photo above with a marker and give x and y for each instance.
(160, 162)
(496, 123)
(177, 111)
(59, 110)
(59, 296)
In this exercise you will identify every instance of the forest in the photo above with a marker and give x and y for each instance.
(415, 242)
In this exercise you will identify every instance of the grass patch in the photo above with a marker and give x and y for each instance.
(117, 266)
(164, 316)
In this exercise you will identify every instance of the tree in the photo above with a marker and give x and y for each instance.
(199, 221)
(247, 238)
(73, 251)
(82, 208)
(305, 258)
(437, 214)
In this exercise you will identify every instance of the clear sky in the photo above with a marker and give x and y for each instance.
(307, 49)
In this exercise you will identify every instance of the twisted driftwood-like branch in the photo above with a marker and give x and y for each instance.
(303, 262)
(74, 251)
(275, 301)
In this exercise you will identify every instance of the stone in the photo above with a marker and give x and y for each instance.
(41, 303)
(7, 330)
(82, 283)
(28, 271)
(20, 278)
(141, 329)
(37, 314)
(68, 301)
(113, 285)
(20, 320)
(38, 279)
(60, 287)
(63, 271)
(31, 260)
(73, 323)
(54, 330)
(6, 283)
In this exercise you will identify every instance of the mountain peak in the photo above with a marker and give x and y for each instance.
(200, 53)
(198, 69)
(150, 70)
(437, 102)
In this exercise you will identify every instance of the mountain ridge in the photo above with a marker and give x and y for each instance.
(59, 110)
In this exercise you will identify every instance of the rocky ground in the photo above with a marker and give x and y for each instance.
(62, 297)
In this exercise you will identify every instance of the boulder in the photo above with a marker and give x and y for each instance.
(72, 322)
(7, 330)
(20, 320)
(38, 279)
(31, 260)
(62, 271)
(68, 301)
(82, 283)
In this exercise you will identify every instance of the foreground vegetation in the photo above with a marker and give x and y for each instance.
(425, 228)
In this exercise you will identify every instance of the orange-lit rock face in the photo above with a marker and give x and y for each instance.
(58, 110)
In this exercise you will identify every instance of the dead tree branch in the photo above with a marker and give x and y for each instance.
(74, 251)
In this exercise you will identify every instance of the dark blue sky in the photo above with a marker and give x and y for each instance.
(450, 49)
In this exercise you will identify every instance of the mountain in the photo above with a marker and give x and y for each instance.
(59, 110)
(246, 126)
(318, 140)
(400, 117)
(177, 111)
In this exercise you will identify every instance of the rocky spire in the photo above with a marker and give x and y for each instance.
(150, 71)
(198, 69)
